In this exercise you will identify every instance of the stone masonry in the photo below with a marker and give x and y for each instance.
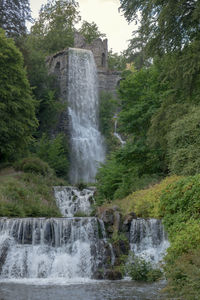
(58, 65)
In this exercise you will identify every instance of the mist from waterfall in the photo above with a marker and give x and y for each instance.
(87, 145)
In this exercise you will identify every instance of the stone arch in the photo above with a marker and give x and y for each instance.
(103, 60)
(57, 69)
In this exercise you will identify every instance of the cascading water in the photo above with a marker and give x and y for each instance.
(71, 248)
(50, 248)
(72, 201)
(148, 239)
(87, 145)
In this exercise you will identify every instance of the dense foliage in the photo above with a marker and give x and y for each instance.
(167, 25)
(116, 62)
(55, 153)
(54, 29)
(135, 164)
(140, 270)
(17, 107)
(180, 208)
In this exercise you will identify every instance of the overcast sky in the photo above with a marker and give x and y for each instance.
(105, 14)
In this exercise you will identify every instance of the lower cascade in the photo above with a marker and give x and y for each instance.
(148, 239)
(72, 247)
(50, 248)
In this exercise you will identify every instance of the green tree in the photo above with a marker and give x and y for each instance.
(13, 15)
(17, 107)
(140, 94)
(166, 25)
(44, 86)
(183, 144)
(55, 153)
(116, 62)
(90, 31)
(54, 29)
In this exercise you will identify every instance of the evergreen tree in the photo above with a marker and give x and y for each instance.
(13, 15)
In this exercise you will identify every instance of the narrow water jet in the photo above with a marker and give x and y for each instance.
(116, 134)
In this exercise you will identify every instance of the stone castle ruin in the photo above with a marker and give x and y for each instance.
(58, 65)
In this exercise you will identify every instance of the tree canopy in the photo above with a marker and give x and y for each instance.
(90, 31)
(54, 29)
(166, 25)
(17, 107)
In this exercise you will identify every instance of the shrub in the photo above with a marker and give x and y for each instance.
(141, 270)
(55, 153)
(180, 201)
(146, 203)
(183, 276)
(184, 237)
(33, 165)
(180, 208)
(184, 143)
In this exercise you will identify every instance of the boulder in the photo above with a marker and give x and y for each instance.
(112, 274)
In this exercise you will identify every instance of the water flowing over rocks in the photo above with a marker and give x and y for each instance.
(148, 239)
(77, 247)
(51, 248)
(72, 201)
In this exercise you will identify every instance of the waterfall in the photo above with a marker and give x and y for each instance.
(87, 145)
(148, 239)
(73, 248)
(71, 200)
(50, 248)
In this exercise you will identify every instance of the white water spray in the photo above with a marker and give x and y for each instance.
(71, 201)
(148, 239)
(50, 248)
(87, 145)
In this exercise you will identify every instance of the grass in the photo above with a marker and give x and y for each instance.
(27, 195)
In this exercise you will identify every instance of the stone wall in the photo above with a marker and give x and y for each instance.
(108, 80)
(98, 47)
(58, 66)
